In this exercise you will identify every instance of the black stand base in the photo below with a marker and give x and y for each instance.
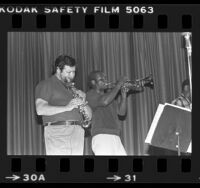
(156, 151)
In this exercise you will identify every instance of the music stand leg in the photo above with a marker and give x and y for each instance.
(178, 144)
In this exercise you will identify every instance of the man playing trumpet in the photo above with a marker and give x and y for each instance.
(106, 129)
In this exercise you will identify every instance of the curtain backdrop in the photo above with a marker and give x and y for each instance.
(31, 56)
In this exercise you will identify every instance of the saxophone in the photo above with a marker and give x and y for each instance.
(85, 122)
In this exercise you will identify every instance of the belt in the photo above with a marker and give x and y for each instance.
(64, 123)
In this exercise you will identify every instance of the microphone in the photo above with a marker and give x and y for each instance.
(186, 33)
(188, 45)
(187, 36)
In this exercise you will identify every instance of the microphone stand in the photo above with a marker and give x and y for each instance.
(188, 47)
(178, 143)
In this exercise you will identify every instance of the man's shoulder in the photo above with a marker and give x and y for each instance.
(91, 92)
(92, 95)
(46, 81)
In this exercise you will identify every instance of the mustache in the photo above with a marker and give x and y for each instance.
(69, 79)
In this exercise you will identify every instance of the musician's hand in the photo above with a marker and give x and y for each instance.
(121, 81)
(81, 94)
(87, 111)
(124, 91)
(76, 103)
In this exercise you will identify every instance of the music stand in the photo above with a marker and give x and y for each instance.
(171, 128)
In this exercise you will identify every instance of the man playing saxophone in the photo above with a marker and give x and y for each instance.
(61, 108)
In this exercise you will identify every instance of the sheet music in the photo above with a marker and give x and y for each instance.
(154, 123)
(189, 150)
(182, 108)
(170, 144)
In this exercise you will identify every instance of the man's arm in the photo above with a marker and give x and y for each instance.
(43, 107)
(108, 97)
(177, 102)
(122, 109)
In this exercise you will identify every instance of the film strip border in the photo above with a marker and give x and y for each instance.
(99, 169)
(102, 169)
(107, 18)
(113, 22)
(113, 164)
(89, 22)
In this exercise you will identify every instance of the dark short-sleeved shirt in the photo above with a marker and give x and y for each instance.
(105, 118)
(54, 92)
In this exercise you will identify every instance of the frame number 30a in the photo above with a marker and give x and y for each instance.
(33, 177)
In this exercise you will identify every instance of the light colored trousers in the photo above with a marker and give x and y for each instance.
(64, 139)
(107, 144)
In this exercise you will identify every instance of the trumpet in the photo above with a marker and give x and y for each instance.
(131, 85)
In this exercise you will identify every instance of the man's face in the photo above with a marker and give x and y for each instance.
(67, 74)
(187, 91)
(101, 81)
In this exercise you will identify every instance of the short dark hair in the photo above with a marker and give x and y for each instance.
(185, 83)
(63, 60)
(93, 76)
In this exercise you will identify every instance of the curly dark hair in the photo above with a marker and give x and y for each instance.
(185, 83)
(63, 60)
